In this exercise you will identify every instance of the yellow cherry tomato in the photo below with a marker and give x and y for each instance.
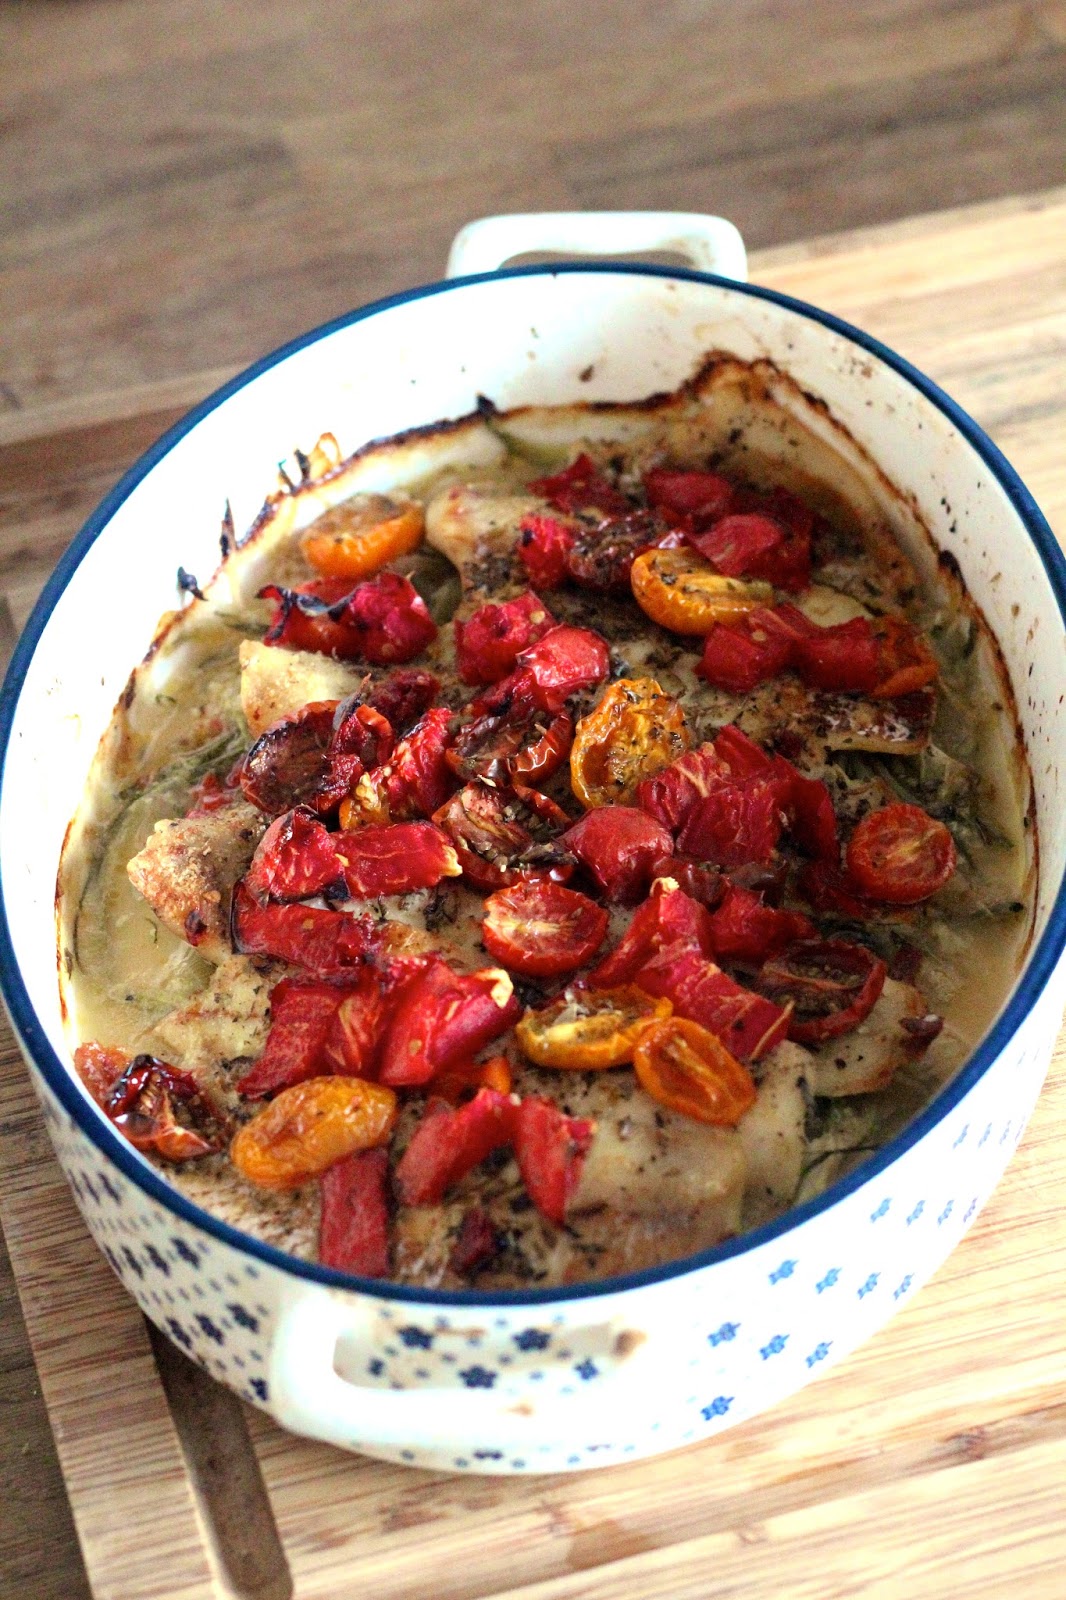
(634, 731)
(685, 1068)
(307, 1128)
(680, 590)
(586, 1030)
(358, 536)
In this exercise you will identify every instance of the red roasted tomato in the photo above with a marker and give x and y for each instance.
(502, 835)
(382, 620)
(487, 644)
(353, 1230)
(620, 846)
(541, 929)
(832, 986)
(901, 855)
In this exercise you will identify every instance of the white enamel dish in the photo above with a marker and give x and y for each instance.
(554, 1379)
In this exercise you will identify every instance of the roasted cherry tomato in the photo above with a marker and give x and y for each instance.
(476, 1242)
(602, 557)
(737, 822)
(362, 534)
(844, 657)
(550, 1149)
(699, 880)
(307, 1128)
(670, 794)
(502, 835)
(544, 543)
(295, 858)
(355, 1031)
(687, 1069)
(905, 662)
(353, 1229)
(586, 1030)
(403, 696)
(325, 943)
(289, 764)
(99, 1067)
(748, 1024)
(901, 855)
(744, 929)
(681, 591)
(301, 1013)
(382, 620)
(747, 652)
(449, 1142)
(633, 732)
(139, 1102)
(581, 486)
(831, 984)
(541, 930)
(560, 663)
(619, 846)
(414, 782)
(701, 495)
(512, 741)
(395, 859)
(463, 1079)
(441, 1017)
(812, 820)
(831, 892)
(739, 545)
(487, 644)
(669, 918)
(363, 731)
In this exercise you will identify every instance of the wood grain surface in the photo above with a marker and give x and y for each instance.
(931, 1464)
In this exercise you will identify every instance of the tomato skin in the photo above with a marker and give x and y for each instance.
(699, 880)
(295, 858)
(834, 985)
(831, 892)
(580, 487)
(741, 655)
(508, 740)
(414, 782)
(296, 628)
(669, 795)
(442, 1016)
(633, 731)
(747, 1024)
(476, 1242)
(702, 495)
(550, 1149)
(307, 1128)
(681, 591)
(325, 943)
(543, 546)
(355, 538)
(396, 858)
(99, 1067)
(589, 1030)
(502, 835)
(353, 1037)
(353, 1230)
(744, 929)
(487, 644)
(813, 823)
(463, 1079)
(542, 930)
(383, 620)
(601, 558)
(739, 544)
(737, 823)
(901, 855)
(449, 1142)
(619, 846)
(403, 696)
(905, 661)
(843, 658)
(686, 1068)
(668, 918)
(136, 1095)
(290, 760)
(363, 732)
(301, 1012)
(560, 663)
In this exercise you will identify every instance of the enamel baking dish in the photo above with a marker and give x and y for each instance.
(538, 1380)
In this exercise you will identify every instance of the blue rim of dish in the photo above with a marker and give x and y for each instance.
(1038, 968)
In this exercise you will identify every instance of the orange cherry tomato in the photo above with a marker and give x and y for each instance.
(455, 1082)
(686, 1068)
(632, 733)
(680, 590)
(904, 659)
(586, 1030)
(900, 855)
(305, 1129)
(359, 536)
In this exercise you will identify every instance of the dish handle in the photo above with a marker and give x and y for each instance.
(632, 1373)
(711, 243)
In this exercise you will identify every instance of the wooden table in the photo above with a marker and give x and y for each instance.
(932, 1464)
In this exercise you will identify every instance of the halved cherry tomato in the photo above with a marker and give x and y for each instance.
(325, 943)
(382, 620)
(905, 661)
(354, 1033)
(634, 731)
(502, 834)
(740, 545)
(560, 663)
(680, 590)
(543, 545)
(414, 782)
(295, 858)
(668, 918)
(748, 1024)
(395, 859)
(702, 495)
(831, 984)
(309, 1127)
(353, 1229)
(301, 1013)
(99, 1067)
(403, 696)
(602, 557)
(463, 1079)
(698, 879)
(449, 1142)
(619, 846)
(747, 652)
(541, 929)
(140, 1105)
(580, 486)
(687, 1069)
(360, 535)
(901, 855)
(442, 1016)
(315, 757)
(737, 822)
(550, 1149)
(744, 929)
(844, 657)
(513, 741)
(487, 644)
(363, 731)
(669, 795)
(587, 1030)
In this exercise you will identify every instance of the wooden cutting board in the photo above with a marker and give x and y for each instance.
(931, 1464)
